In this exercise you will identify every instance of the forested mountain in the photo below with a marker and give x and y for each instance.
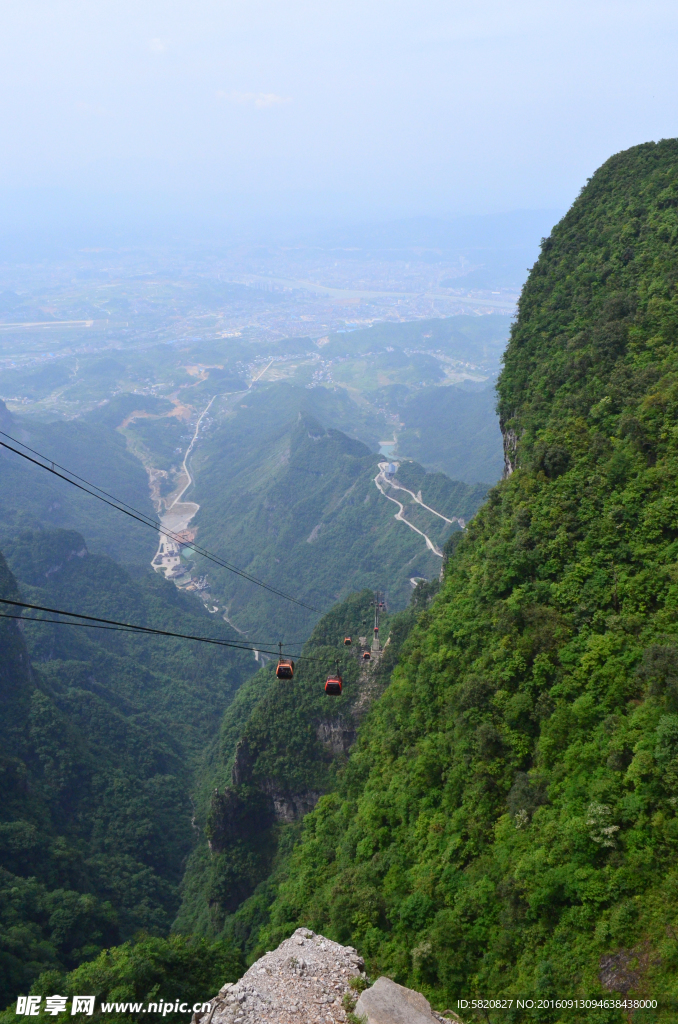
(495, 804)
(282, 745)
(441, 426)
(109, 730)
(99, 735)
(30, 498)
(293, 501)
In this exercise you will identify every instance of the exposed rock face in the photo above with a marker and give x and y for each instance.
(288, 806)
(284, 805)
(336, 735)
(510, 451)
(242, 765)
(306, 980)
(389, 1003)
(234, 817)
(303, 981)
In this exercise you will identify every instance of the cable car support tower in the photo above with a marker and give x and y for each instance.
(378, 604)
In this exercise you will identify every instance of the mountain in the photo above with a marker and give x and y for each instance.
(31, 498)
(294, 502)
(281, 746)
(453, 430)
(506, 823)
(100, 735)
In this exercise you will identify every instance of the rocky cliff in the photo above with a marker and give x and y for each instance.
(309, 979)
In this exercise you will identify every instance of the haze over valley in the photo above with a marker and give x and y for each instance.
(241, 391)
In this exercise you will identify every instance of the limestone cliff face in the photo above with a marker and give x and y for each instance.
(284, 804)
(510, 450)
(241, 824)
(283, 745)
(336, 735)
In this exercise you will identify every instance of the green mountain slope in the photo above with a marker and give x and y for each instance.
(507, 824)
(281, 745)
(453, 430)
(295, 504)
(31, 498)
(100, 734)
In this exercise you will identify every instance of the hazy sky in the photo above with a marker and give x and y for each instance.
(362, 107)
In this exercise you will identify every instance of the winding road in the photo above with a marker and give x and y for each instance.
(179, 513)
(381, 480)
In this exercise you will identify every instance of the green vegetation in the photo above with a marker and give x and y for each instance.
(506, 823)
(146, 971)
(449, 497)
(31, 498)
(453, 430)
(99, 739)
(282, 745)
(295, 503)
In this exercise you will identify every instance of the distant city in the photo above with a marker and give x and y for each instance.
(91, 300)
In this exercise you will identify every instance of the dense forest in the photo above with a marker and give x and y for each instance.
(110, 739)
(100, 733)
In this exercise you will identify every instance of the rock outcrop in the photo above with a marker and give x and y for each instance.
(307, 980)
(389, 1003)
(303, 981)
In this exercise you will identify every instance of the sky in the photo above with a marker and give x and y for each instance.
(351, 109)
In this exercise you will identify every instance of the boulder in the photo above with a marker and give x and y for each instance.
(389, 1003)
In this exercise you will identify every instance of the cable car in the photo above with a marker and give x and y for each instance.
(347, 641)
(366, 656)
(333, 685)
(285, 668)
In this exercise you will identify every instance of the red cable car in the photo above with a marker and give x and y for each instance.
(366, 656)
(333, 685)
(347, 641)
(285, 669)
(285, 666)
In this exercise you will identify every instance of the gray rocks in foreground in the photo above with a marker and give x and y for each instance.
(304, 981)
(389, 1003)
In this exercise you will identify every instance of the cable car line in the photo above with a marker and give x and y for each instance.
(123, 626)
(284, 670)
(141, 517)
(139, 630)
(126, 628)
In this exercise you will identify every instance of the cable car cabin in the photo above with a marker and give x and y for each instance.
(333, 686)
(285, 669)
(347, 641)
(366, 656)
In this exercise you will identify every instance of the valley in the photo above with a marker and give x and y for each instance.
(248, 454)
